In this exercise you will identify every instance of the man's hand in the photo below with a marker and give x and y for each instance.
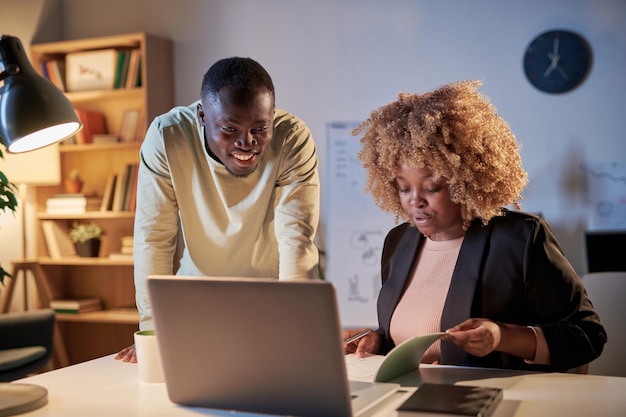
(127, 355)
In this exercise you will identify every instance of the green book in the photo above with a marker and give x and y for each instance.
(119, 68)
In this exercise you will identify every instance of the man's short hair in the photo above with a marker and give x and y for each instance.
(236, 72)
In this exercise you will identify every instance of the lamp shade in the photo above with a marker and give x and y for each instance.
(33, 112)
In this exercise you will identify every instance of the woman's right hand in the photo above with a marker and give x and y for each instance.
(367, 345)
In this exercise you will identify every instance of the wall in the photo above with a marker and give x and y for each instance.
(337, 60)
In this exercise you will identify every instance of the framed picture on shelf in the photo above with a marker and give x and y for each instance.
(130, 123)
(91, 70)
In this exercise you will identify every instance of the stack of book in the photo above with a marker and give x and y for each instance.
(71, 204)
(127, 245)
(76, 306)
(126, 250)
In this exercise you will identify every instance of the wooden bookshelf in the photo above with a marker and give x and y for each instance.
(97, 333)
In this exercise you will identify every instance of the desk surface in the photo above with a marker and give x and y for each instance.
(106, 387)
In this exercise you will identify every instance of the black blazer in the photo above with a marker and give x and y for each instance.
(513, 271)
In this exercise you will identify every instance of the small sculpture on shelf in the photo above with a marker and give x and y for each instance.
(74, 184)
(87, 238)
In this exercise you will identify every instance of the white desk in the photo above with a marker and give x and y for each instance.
(106, 387)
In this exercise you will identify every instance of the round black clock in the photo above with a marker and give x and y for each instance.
(557, 61)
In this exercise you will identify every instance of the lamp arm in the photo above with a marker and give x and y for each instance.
(11, 69)
(7, 58)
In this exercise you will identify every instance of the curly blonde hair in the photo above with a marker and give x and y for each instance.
(456, 133)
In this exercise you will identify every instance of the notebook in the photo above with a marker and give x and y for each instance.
(256, 345)
(451, 400)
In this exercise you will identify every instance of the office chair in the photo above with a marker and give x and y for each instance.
(606, 291)
(26, 340)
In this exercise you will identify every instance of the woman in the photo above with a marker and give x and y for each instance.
(495, 280)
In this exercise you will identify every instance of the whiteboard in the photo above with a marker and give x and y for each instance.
(356, 229)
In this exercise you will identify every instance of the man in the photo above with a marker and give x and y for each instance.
(235, 177)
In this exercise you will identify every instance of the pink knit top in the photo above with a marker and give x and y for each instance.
(419, 310)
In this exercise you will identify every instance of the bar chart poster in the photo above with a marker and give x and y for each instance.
(356, 229)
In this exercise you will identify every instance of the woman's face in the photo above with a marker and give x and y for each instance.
(428, 204)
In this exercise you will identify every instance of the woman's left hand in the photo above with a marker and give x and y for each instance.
(478, 337)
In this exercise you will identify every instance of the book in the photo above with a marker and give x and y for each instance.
(128, 177)
(120, 189)
(121, 256)
(55, 72)
(67, 200)
(130, 199)
(104, 138)
(91, 70)
(71, 204)
(76, 306)
(93, 124)
(404, 358)
(130, 311)
(58, 242)
(121, 68)
(133, 68)
(44, 70)
(65, 210)
(58, 68)
(451, 400)
(139, 65)
(107, 196)
(126, 250)
(124, 195)
(130, 125)
(128, 241)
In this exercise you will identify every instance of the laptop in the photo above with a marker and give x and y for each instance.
(256, 345)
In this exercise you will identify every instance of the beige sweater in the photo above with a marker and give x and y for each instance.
(263, 225)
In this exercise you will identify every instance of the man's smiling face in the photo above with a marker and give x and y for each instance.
(238, 126)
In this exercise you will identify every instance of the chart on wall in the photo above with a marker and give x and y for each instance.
(606, 193)
(356, 229)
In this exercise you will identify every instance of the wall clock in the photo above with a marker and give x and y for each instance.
(557, 61)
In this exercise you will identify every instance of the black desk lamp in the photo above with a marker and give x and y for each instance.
(33, 114)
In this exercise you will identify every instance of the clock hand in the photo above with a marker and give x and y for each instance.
(554, 63)
(554, 58)
(555, 47)
(562, 72)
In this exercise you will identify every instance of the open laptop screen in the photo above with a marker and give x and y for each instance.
(256, 345)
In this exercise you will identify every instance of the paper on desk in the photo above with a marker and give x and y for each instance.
(363, 369)
(403, 358)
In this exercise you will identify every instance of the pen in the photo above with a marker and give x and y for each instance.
(356, 336)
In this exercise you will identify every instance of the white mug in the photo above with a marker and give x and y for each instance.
(148, 357)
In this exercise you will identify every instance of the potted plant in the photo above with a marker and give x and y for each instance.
(8, 201)
(86, 238)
